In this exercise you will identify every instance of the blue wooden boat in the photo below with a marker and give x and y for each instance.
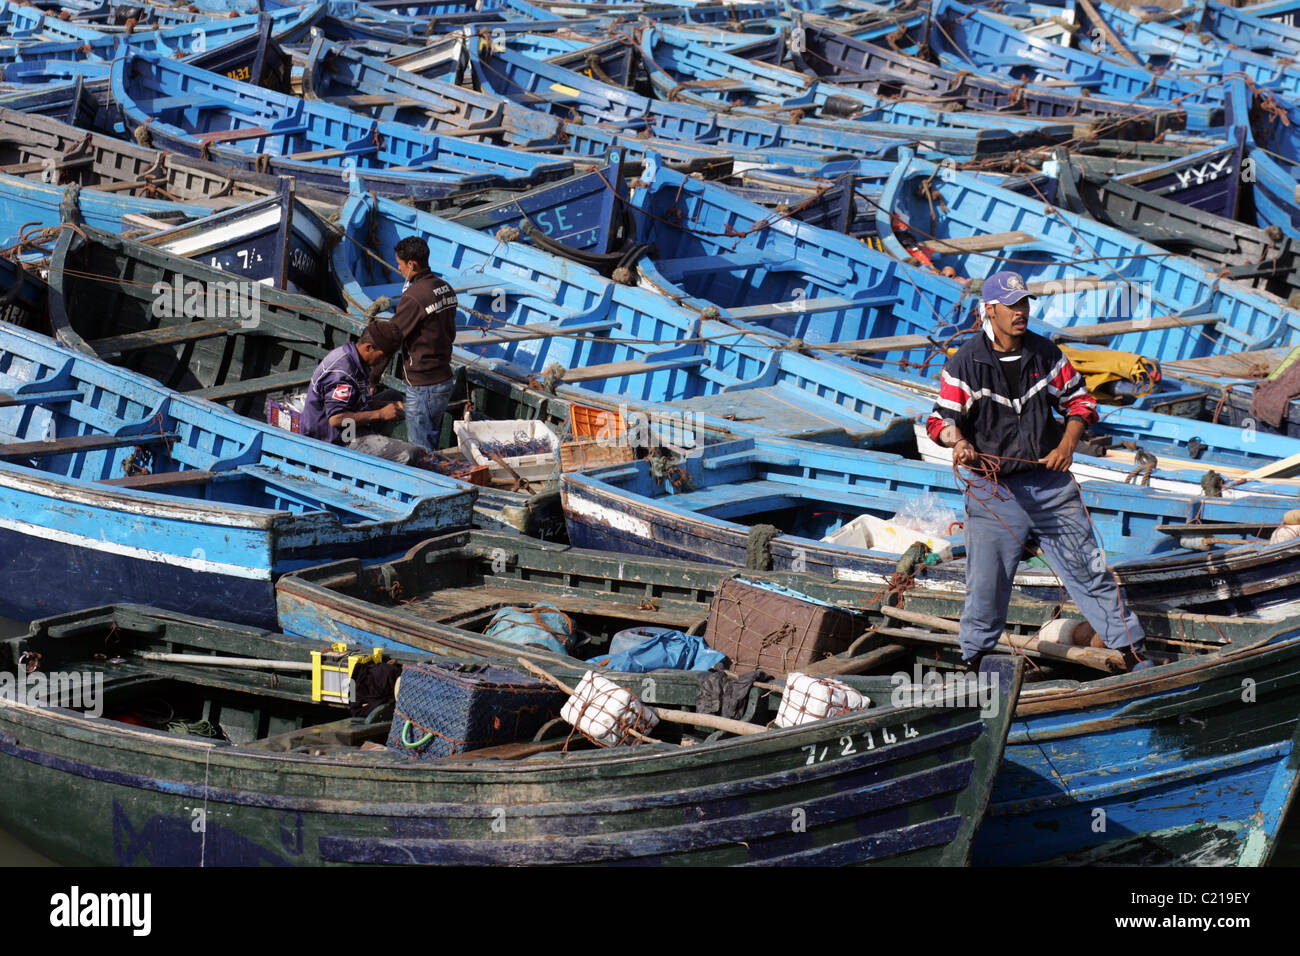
(40, 148)
(76, 102)
(581, 218)
(28, 206)
(528, 315)
(276, 240)
(965, 37)
(568, 93)
(849, 61)
(1177, 295)
(1233, 802)
(23, 297)
(166, 498)
(707, 509)
(1195, 55)
(1242, 28)
(1267, 260)
(239, 362)
(788, 281)
(1209, 178)
(1271, 149)
(682, 69)
(897, 785)
(200, 114)
(397, 89)
(392, 92)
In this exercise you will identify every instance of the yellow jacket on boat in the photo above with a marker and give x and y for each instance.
(1100, 367)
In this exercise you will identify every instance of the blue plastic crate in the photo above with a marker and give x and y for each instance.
(450, 708)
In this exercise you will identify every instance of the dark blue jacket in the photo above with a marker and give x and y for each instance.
(341, 383)
(973, 395)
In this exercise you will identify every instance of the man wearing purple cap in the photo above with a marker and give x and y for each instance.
(997, 395)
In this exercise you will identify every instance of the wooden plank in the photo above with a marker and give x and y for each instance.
(807, 306)
(1069, 286)
(163, 479)
(22, 169)
(231, 135)
(1212, 528)
(366, 100)
(523, 333)
(990, 242)
(590, 373)
(1283, 468)
(168, 335)
(253, 386)
(1113, 41)
(1235, 364)
(315, 154)
(72, 444)
(890, 343)
(1106, 330)
(39, 398)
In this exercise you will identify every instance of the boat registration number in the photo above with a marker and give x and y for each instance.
(848, 745)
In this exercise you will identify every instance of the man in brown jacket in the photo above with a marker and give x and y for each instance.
(426, 318)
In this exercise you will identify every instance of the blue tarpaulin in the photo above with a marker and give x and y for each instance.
(671, 650)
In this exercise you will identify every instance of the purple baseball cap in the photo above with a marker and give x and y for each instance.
(1005, 287)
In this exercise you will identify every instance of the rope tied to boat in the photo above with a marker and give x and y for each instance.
(758, 547)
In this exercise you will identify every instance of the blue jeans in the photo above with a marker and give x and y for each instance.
(425, 405)
(1047, 505)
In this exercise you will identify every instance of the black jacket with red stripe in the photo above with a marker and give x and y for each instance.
(973, 395)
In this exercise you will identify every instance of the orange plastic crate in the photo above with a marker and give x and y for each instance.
(591, 422)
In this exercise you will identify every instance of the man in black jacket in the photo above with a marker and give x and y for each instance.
(426, 318)
(997, 396)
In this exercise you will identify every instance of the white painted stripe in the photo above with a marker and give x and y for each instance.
(232, 232)
(153, 504)
(140, 554)
(617, 520)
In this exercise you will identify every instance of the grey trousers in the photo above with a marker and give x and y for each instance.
(1046, 504)
(381, 446)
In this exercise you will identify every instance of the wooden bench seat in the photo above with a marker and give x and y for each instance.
(163, 479)
(75, 444)
(1107, 330)
(254, 386)
(167, 335)
(231, 135)
(522, 333)
(991, 242)
(39, 398)
(315, 491)
(591, 373)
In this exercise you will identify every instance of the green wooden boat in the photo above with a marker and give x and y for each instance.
(1191, 761)
(286, 781)
(103, 303)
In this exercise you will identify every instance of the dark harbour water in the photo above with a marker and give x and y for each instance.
(14, 853)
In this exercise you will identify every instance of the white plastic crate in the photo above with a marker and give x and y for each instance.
(868, 531)
(533, 467)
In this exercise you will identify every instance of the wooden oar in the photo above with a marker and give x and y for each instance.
(712, 721)
(1099, 658)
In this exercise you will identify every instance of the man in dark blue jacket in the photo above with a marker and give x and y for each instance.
(340, 406)
(998, 396)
